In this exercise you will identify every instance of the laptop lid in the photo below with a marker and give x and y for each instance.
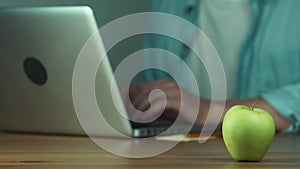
(39, 48)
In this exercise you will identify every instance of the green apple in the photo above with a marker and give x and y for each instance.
(247, 132)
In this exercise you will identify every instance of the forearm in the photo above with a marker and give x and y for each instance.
(217, 112)
(280, 122)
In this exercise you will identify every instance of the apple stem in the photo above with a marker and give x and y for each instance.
(254, 103)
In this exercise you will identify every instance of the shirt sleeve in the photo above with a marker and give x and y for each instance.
(286, 101)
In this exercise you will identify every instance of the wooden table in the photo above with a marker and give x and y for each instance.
(49, 151)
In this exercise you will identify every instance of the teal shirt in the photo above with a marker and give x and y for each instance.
(269, 60)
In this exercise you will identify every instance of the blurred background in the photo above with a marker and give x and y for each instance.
(105, 11)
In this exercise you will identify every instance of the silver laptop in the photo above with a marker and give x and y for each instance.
(38, 50)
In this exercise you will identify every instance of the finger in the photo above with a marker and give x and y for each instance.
(141, 101)
(150, 115)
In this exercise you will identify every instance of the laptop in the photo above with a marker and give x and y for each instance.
(39, 47)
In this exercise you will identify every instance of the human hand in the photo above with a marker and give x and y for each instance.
(154, 98)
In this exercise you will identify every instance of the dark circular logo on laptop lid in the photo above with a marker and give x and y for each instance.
(35, 71)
